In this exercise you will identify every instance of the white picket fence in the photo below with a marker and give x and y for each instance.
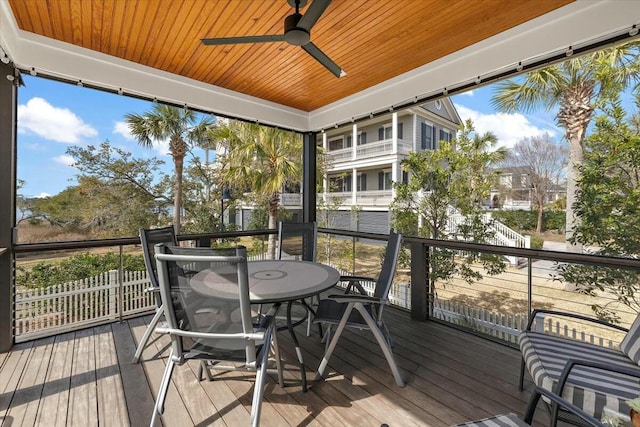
(507, 326)
(56, 309)
(60, 308)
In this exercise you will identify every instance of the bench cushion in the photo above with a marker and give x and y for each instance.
(590, 389)
(630, 345)
(503, 420)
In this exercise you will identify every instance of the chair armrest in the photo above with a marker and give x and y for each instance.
(153, 289)
(354, 281)
(571, 363)
(559, 401)
(347, 298)
(573, 316)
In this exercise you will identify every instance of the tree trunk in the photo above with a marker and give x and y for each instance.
(573, 174)
(177, 196)
(540, 212)
(273, 223)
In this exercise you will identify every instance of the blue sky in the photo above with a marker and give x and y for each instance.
(53, 116)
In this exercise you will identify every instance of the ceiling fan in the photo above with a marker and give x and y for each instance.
(297, 31)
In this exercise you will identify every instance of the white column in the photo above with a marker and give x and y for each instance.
(395, 169)
(354, 142)
(325, 181)
(354, 186)
(394, 132)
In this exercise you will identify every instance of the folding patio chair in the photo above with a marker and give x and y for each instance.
(362, 311)
(298, 240)
(214, 327)
(149, 238)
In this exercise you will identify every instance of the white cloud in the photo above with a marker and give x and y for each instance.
(508, 128)
(42, 195)
(57, 124)
(64, 160)
(121, 128)
(467, 93)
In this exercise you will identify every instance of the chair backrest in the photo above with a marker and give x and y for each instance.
(388, 270)
(206, 291)
(297, 240)
(149, 238)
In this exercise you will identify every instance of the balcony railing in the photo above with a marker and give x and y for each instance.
(374, 198)
(371, 149)
(497, 306)
(291, 199)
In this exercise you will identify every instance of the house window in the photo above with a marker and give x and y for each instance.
(362, 182)
(399, 130)
(524, 182)
(405, 177)
(445, 135)
(386, 132)
(505, 180)
(335, 144)
(348, 141)
(428, 137)
(384, 180)
(362, 138)
(340, 183)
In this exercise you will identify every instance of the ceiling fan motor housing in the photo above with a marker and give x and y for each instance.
(292, 33)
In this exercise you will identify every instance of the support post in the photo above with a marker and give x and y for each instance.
(309, 171)
(419, 282)
(8, 98)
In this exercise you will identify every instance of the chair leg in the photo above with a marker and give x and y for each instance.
(145, 338)
(382, 342)
(334, 341)
(521, 381)
(158, 408)
(276, 352)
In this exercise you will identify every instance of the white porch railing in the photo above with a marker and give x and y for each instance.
(502, 235)
(374, 198)
(371, 149)
(291, 199)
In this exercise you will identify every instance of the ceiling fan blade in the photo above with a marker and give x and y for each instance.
(320, 56)
(314, 12)
(243, 39)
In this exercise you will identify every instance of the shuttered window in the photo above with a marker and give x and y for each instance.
(399, 130)
(427, 140)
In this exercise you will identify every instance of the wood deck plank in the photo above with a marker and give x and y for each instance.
(10, 375)
(25, 402)
(83, 399)
(55, 394)
(137, 393)
(88, 378)
(112, 406)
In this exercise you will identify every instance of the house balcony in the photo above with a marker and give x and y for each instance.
(364, 199)
(372, 149)
(455, 344)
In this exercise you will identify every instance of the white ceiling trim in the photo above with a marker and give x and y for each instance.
(574, 24)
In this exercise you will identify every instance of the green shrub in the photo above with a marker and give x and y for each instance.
(521, 220)
(76, 267)
(536, 241)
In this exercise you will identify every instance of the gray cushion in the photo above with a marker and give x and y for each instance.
(503, 420)
(630, 345)
(590, 389)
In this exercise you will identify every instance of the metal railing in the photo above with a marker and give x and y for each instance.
(497, 306)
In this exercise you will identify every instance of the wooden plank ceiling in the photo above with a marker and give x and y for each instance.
(372, 40)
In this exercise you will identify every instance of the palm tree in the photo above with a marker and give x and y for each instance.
(262, 159)
(181, 128)
(578, 87)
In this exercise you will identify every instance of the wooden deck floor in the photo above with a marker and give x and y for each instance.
(86, 378)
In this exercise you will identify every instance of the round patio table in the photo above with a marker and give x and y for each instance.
(274, 281)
